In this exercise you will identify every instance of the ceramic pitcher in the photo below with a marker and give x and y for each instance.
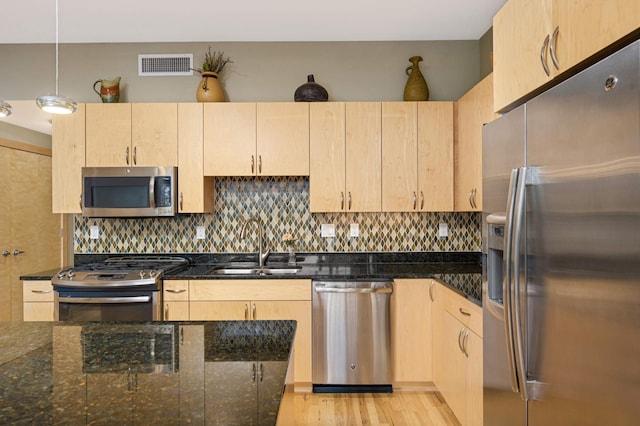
(109, 90)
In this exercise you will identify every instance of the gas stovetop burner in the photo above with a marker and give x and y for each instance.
(122, 271)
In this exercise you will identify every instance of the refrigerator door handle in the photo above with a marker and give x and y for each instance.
(516, 301)
(507, 282)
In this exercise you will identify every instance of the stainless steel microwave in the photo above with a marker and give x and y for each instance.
(129, 191)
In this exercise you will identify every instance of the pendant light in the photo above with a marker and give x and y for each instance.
(56, 104)
(5, 109)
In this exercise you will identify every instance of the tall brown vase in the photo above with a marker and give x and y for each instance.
(416, 88)
(209, 89)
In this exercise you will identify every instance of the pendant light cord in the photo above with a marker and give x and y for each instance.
(56, 47)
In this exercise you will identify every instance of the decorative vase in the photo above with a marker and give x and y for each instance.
(109, 90)
(310, 92)
(209, 89)
(292, 254)
(416, 88)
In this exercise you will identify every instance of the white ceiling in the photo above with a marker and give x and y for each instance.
(114, 21)
(154, 21)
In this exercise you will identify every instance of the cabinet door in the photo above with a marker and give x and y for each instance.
(363, 156)
(154, 134)
(195, 192)
(201, 310)
(399, 156)
(67, 160)
(38, 301)
(519, 32)
(585, 28)
(176, 311)
(230, 139)
(231, 392)
(473, 347)
(474, 109)
(327, 157)
(283, 138)
(453, 386)
(412, 334)
(435, 156)
(299, 311)
(108, 135)
(110, 398)
(190, 374)
(156, 399)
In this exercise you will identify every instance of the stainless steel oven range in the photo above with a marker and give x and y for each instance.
(126, 288)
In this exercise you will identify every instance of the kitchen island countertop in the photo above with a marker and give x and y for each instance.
(143, 373)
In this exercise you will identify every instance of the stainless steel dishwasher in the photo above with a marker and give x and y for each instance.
(352, 336)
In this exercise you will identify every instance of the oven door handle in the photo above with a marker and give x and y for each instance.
(99, 300)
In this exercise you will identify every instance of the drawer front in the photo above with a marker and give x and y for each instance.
(465, 311)
(250, 290)
(37, 291)
(175, 290)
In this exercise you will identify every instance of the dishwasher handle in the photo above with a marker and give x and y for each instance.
(321, 288)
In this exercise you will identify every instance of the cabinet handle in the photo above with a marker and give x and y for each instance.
(552, 48)
(246, 312)
(260, 164)
(80, 202)
(460, 339)
(342, 200)
(41, 291)
(17, 252)
(181, 199)
(253, 164)
(255, 372)
(254, 312)
(126, 155)
(261, 371)
(415, 200)
(182, 336)
(176, 290)
(431, 291)
(543, 55)
(463, 312)
(349, 200)
(166, 311)
(471, 198)
(474, 191)
(421, 200)
(135, 156)
(464, 343)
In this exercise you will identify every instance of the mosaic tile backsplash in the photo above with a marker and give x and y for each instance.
(283, 206)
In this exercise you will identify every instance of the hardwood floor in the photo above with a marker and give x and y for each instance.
(351, 409)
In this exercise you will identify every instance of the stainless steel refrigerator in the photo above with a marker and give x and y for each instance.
(561, 235)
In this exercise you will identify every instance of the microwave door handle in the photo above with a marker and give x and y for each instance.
(507, 285)
(152, 191)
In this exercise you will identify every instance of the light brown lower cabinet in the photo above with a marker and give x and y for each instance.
(457, 353)
(211, 300)
(37, 301)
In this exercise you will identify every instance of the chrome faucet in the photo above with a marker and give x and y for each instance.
(262, 254)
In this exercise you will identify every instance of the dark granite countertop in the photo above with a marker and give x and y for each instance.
(461, 271)
(143, 373)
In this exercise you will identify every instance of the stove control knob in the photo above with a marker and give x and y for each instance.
(71, 274)
(141, 274)
(61, 274)
(153, 274)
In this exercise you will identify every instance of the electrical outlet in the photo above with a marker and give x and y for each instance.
(354, 230)
(443, 230)
(327, 230)
(94, 232)
(200, 234)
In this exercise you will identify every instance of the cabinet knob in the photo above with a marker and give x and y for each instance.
(5, 253)
(17, 252)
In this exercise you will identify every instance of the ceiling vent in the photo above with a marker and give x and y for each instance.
(165, 64)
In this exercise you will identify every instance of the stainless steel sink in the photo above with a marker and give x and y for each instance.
(265, 270)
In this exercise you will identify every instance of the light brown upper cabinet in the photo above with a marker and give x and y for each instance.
(417, 156)
(67, 160)
(249, 139)
(132, 134)
(535, 41)
(195, 191)
(473, 110)
(345, 165)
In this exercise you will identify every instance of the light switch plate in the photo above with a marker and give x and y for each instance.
(200, 234)
(94, 232)
(328, 230)
(354, 230)
(443, 230)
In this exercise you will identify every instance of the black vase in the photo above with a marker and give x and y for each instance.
(311, 92)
